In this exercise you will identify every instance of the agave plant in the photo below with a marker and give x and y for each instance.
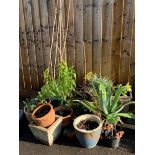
(106, 104)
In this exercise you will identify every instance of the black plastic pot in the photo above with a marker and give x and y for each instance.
(55, 101)
(111, 142)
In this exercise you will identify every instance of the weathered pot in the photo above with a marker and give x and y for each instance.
(28, 115)
(45, 120)
(66, 120)
(47, 135)
(88, 138)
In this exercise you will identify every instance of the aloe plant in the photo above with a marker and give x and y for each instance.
(106, 104)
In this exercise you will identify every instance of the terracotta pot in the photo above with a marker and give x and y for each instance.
(28, 115)
(45, 120)
(66, 120)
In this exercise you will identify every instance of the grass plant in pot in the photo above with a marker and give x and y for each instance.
(62, 89)
(88, 130)
(44, 115)
(106, 105)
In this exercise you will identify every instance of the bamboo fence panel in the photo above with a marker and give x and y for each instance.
(128, 15)
(70, 44)
(79, 45)
(132, 59)
(21, 78)
(30, 43)
(24, 49)
(37, 40)
(99, 38)
(97, 35)
(116, 39)
(107, 38)
(45, 32)
(87, 26)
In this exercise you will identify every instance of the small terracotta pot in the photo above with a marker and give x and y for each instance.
(45, 120)
(28, 115)
(66, 120)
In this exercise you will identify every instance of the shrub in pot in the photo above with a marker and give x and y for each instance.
(61, 89)
(88, 129)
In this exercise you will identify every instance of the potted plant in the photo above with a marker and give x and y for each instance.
(60, 88)
(106, 105)
(29, 106)
(44, 115)
(88, 129)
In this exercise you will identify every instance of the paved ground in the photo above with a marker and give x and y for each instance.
(29, 146)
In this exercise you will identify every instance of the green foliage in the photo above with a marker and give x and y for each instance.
(62, 87)
(30, 105)
(107, 103)
(127, 90)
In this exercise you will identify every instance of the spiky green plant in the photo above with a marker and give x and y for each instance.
(106, 104)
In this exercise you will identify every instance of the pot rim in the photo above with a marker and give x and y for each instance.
(35, 110)
(24, 109)
(88, 116)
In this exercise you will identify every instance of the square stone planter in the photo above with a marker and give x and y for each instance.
(47, 135)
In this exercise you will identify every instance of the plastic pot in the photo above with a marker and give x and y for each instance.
(111, 142)
(88, 138)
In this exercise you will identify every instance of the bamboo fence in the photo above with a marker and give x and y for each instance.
(91, 35)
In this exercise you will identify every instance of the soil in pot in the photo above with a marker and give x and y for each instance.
(88, 125)
(42, 112)
(63, 113)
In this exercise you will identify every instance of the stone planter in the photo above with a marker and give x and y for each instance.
(47, 135)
